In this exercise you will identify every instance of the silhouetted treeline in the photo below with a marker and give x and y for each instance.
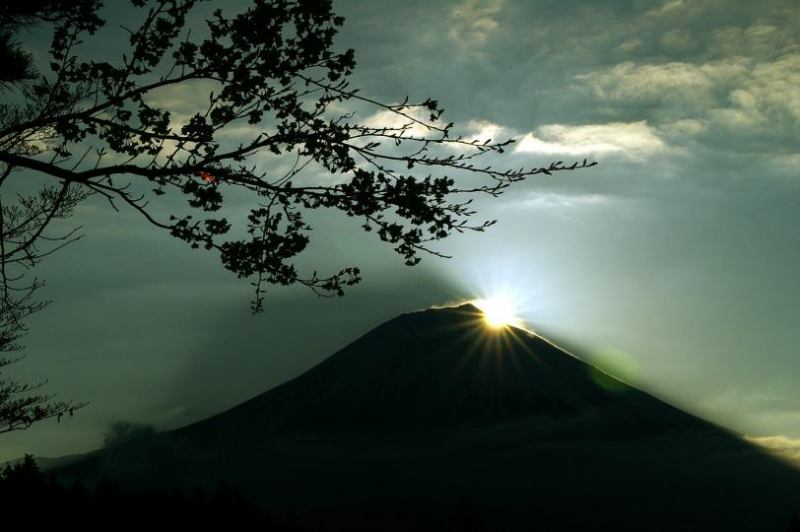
(37, 498)
(794, 526)
(29, 496)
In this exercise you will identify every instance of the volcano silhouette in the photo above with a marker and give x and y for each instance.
(443, 370)
(432, 421)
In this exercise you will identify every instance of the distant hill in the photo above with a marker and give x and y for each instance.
(48, 463)
(434, 422)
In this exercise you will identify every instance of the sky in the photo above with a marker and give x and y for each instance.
(673, 262)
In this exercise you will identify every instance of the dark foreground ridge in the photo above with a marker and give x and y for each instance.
(431, 421)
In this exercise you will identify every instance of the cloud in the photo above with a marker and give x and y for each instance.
(473, 21)
(183, 100)
(634, 139)
(781, 446)
(677, 39)
(740, 102)
(630, 45)
(480, 132)
(556, 200)
(686, 126)
(786, 165)
(123, 433)
(670, 8)
(392, 120)
(483, 131)
(773, 88)
(759, 41)
(629, 82)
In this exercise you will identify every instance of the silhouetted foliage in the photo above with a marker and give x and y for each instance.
(17, 15)
(272, 118)
(21, 405)
(273, 86)
(42, 500)
(23, 240)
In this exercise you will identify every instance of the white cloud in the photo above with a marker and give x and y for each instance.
(738, 95)
(774, 87)
(480, 131)
(483, 131)
(768, 96)
(634, 139)
(184, 99)
(629, 82)
(554, 200)
(391, 120)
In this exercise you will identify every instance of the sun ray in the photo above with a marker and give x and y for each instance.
(498, 313)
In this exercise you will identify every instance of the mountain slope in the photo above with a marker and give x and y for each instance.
(437, 370)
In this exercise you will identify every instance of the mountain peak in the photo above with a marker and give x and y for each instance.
(434, 369)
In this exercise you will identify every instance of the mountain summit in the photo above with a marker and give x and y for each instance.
(434, 421)
(442, 369)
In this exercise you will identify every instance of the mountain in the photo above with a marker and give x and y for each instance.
(439, 370)
(432, 421)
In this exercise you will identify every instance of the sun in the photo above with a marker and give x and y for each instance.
(498, 312)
